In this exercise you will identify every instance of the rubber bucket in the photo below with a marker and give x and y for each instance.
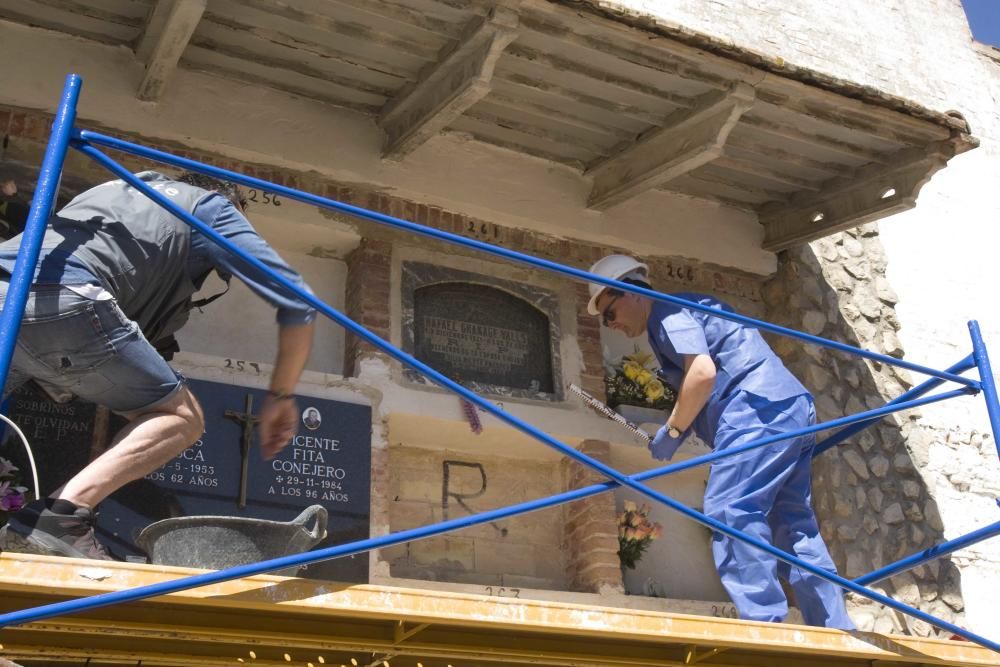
(219, 542)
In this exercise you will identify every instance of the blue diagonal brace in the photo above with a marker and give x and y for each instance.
(921, 389)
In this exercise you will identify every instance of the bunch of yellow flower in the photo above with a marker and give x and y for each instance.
(635, 384)
(635, 532)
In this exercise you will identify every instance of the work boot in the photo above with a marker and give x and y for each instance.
(52, 528)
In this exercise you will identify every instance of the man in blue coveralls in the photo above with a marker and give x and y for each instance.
(732, 389)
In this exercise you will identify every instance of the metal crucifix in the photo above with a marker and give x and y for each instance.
(247, 420)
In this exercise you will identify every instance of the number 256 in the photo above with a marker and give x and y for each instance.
(263, 197)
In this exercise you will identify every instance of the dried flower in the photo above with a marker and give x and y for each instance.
(635, 533)
(12, 496)
(471, 413)
(6, 468)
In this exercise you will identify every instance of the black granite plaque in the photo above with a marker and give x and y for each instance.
(61, 436)
(328, 463)
(478, 333)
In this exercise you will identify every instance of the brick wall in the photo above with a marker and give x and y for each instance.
(591, 531)
(520, 552)
(588, 334)
(367, 297)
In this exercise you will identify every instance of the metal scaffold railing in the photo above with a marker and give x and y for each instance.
(64, 135)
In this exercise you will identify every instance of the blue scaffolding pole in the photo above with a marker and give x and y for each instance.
(64, 133)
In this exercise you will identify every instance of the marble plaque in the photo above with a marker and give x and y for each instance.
(494, 336)
(61, 436)
(328, 463)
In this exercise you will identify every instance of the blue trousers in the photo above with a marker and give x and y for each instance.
(766, 494)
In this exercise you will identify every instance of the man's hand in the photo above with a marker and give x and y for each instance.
(279, 421)
(663, 447)
(8, 188)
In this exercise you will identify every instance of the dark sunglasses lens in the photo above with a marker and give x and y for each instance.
(609, 314)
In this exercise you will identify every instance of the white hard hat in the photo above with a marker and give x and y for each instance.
(614, 267)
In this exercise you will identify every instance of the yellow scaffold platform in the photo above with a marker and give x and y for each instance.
(270, 621)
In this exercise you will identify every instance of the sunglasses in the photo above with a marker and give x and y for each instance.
(608, 315)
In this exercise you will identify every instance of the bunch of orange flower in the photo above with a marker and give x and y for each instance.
(635, 532)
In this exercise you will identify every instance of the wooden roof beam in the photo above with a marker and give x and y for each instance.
(689, 140)
(447, 88)
(559, 66)
(168, 31)
(870, 193)
(762, 172)
(842, 149)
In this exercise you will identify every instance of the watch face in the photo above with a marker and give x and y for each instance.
(674, 433)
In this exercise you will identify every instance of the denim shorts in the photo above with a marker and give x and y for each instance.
(88, 348)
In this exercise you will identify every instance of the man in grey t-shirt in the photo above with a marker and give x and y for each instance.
(117, 271)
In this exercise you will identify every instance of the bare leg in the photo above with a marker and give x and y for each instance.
(149, 441)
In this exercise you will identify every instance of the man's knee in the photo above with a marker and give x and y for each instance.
(184, 405)
(187, 407)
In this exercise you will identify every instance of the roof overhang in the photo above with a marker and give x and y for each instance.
(269, 621)
(634, 103)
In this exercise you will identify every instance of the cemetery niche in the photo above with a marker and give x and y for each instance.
(494, 336)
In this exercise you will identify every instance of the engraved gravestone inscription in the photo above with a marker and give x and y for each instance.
(481, 334)
(495, 336)
(328, 463)
(61, 436)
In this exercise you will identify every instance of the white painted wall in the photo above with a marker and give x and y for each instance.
(241, 326)
(942, 255)
(679, 565)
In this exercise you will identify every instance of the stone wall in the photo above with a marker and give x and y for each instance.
(873, 504)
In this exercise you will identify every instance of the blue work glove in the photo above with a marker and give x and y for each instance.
(663, 447)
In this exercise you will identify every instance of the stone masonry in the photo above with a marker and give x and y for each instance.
(874, 507)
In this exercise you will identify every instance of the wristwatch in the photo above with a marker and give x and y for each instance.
(673, 431)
